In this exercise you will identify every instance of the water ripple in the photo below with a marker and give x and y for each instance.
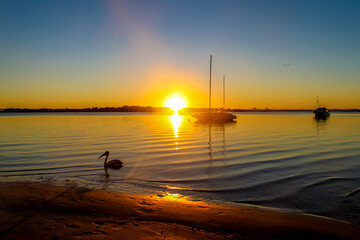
(278, 160)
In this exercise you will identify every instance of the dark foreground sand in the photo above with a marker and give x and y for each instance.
(34, 211)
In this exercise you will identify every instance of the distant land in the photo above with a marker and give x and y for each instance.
(157, 109)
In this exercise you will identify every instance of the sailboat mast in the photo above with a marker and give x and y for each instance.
(224, 92)
(317, 102)
(210, 84)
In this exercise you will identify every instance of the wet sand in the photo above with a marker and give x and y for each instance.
(37, 211)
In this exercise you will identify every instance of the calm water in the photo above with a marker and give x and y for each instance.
(284, 160)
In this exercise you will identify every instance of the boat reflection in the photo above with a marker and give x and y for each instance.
(321, 117)
(217, 151)
(214, 131)
(320, 125)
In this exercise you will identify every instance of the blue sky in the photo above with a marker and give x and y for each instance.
(277, 54)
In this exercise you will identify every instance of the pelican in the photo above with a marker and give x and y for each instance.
(114, 164)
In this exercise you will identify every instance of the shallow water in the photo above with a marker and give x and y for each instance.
(283, 160)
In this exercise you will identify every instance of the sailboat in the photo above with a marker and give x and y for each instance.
(321, 112)
(215, 116)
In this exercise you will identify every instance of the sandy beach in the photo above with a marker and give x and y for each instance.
(39, 211)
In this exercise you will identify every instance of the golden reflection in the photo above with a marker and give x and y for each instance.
(176, 121)
(174, 197)
(175, 187)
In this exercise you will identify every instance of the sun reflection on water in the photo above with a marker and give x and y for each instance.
(174, 197)
(175, 187)
(176, 122)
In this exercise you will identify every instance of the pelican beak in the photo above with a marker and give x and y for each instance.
(102, 155)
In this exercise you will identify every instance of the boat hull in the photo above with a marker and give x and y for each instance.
(215, 117)
(321, 113)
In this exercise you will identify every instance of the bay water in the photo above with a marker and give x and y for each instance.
(288, 161)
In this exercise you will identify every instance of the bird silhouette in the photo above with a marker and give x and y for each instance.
(114, 164)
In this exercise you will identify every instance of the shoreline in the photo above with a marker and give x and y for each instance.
(31, 210)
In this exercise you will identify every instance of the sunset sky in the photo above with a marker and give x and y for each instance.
(92, 53)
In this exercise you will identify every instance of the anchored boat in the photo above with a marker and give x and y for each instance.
(215, 116)
(321, 112)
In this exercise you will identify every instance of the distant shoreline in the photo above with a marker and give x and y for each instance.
(155, 109)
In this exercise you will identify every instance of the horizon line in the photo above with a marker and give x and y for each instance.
(136, 108)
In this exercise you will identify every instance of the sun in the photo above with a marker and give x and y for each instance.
(175, 102)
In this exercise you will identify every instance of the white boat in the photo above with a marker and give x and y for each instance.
(211, 115)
